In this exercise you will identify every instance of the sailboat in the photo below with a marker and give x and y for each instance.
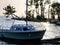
(23, 32)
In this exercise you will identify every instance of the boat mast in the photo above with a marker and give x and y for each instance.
(26, 13)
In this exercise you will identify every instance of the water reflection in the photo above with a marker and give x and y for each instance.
(25, 42)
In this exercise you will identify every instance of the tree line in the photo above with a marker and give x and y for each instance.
(10, 10)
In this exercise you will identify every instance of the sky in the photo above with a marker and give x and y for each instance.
(19, 5)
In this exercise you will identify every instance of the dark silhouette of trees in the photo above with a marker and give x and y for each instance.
(56, 8)
(53, 11)
(42, 8)
(36, 7)
(9, 11)
(36, 4)
(31, 11)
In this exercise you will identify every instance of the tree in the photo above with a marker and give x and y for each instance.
(42, 8)
(53, 11)
(9, 11)
(31, 11)
(39, 17)
(36, 6)
(56, 7)
(47, 2)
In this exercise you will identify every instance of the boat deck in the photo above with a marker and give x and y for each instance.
(17, 26)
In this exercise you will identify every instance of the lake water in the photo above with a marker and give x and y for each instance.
(26, 43)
